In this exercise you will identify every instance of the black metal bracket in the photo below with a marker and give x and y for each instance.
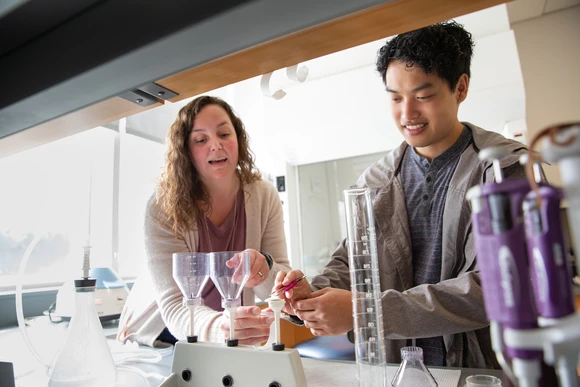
(148, 94)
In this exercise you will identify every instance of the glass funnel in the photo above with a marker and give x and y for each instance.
(229, 271)
(366, 288)
(191, 273)
(412, 371)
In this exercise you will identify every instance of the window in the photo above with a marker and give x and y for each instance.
(45, 193)
(141, 163)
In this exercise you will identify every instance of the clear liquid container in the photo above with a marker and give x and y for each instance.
(85, 360)
(229, 271)
(366, 288)
(412, 371)
(482, 381)
(191, 273)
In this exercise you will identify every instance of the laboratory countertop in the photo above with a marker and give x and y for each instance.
(46, 338)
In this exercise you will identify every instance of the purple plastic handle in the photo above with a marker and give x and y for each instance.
(502, 260)
(547, 253)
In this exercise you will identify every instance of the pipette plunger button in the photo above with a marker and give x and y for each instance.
(232, 343)
(192, 339)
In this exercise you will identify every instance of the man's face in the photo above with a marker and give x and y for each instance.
(424, 108)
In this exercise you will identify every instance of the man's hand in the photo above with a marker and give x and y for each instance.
(251, 328)
(326, 312)
(299, 292)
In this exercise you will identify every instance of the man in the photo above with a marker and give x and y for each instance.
(427, 259)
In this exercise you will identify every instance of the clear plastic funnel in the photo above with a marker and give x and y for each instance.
(229, 271)
(191, 273)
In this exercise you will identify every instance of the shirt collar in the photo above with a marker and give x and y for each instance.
(451, 153)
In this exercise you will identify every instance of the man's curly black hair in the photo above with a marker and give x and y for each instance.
(444, 49)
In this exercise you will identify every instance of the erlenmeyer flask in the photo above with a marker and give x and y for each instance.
(85, 360)
(412, 371)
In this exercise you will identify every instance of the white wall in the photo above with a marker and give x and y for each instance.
(549, 51)
(342, 111)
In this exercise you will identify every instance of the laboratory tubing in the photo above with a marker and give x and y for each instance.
(412, 371)
(482, 381)
(191, 273)
(366, 289)
(229, 271)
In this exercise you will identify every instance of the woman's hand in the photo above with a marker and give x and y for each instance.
(259, 269)
(250, 326)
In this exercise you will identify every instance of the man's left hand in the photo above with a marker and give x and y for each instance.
(326, 312)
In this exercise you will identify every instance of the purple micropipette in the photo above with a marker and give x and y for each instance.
(547, 253)
(502, 256)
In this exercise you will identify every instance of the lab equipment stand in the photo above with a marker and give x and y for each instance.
(204, 364)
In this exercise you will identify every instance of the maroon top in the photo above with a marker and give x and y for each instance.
(231, 236)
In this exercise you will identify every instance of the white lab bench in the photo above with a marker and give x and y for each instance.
(47, 337)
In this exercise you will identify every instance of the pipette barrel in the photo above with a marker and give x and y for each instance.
(547, 253)
(502, 257)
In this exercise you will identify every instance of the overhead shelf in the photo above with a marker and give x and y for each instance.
(253, 38)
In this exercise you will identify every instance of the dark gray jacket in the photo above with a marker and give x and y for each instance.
(454, 307)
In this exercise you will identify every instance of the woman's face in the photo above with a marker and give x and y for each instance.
(213, 145)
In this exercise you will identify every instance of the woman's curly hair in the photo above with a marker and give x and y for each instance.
(180, 193)
(444, 49)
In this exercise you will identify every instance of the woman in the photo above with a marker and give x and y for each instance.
(209, 198)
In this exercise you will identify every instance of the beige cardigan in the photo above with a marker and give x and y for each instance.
(155, 300)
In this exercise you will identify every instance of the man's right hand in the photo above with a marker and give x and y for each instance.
(299, 292)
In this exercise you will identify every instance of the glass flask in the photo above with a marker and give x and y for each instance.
(85, 360)
(412, 371)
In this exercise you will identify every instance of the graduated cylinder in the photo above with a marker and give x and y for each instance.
(366, 289)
